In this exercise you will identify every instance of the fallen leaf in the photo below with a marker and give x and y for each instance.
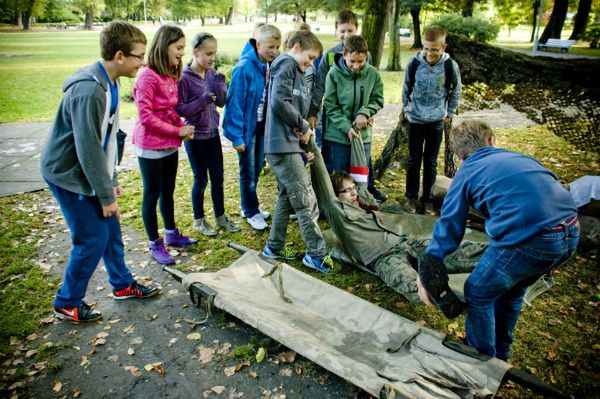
(172, 341)
(194, 336)
(287, 357)
(130, 352)
(84, 361)
(113, 358)
(47, 320)
(148, 367)
(30, 353)
(77, 348)
(253, 374)
(160, 368)
(114, 321)
(129, 329)
(40, 365)
(286, 372)
(551, 356)
(596, 347)
(452, 326)
(205, 354)
(260, 354)
(56, 386)
(229, 371)
(75, 392)
(16, 385)
(107, 327)
(133, 370)
(218, 389)
(298, 369)
(32, 337)
(136, 341)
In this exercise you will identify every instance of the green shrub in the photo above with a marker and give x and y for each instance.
(475, 28)
(224, 63)
(592, 35)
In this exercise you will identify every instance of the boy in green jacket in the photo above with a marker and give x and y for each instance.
(353, 94)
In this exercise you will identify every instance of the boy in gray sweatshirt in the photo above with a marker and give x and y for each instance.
(286, 133)
(78, 163)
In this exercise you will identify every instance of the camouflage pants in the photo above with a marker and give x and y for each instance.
(396, 267)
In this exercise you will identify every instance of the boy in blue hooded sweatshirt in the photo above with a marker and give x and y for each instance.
(428, 101)
(245, 115)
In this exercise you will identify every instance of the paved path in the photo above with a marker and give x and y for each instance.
(21, 143)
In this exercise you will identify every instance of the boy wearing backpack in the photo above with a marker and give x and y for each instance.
(430, 97)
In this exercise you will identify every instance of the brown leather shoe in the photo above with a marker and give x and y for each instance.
(428, 209)
(411, 205)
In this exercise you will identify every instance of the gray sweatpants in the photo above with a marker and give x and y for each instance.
(296, 195)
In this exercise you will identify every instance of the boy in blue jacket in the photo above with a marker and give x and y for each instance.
(245, 115)
(531, 221)
(78, 163)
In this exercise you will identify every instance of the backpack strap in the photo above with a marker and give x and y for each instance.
(330, 57)
(412, 72)
(450, 82)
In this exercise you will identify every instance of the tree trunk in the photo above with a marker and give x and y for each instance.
(203, 20)
(394, 54)
(581, 19)
(26, 20)
(467, 10)
(375, 22)
(557, 20)
(230, 16)
(89, 20)
(536, 6)
(414, 13)
(18, 18)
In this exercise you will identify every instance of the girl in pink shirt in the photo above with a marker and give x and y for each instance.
(157, 135)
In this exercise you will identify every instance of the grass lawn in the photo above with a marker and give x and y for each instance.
(34, 65)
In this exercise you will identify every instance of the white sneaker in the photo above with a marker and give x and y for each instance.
(257, 222)
(263, 214)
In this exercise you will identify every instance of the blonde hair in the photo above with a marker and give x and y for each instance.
(158, 56)
(298, 26)
(469, 136)
(306, 39)
(434, 32)
(266, 32)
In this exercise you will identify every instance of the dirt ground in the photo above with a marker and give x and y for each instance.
(156, 347)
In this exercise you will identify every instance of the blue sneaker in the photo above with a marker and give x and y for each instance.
(285, 253)
(316, 263)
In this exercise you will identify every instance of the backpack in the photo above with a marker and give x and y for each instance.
(449, 83)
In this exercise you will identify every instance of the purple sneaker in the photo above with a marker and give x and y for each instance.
(176, 239)
(159, 252)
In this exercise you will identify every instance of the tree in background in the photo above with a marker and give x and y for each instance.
(535, 5)
(29, 9)
(557, 20)
(89, 8)
(512, 13)
(296, 7)
(581, 19)
(374, 26)
(394, 35)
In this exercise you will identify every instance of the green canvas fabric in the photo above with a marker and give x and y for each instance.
(360, 342)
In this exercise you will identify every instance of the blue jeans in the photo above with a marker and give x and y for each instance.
(251, 161)
(494, 290)
(337, 156)
(424, 140)
(94, 237)
(206, 156)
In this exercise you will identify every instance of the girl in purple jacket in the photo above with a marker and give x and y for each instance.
(201, 90)
(157, 135)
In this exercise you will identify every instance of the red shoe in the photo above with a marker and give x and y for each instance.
(81, 314)
(135, 290)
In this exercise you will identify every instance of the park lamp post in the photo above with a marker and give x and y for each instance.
(537, 30)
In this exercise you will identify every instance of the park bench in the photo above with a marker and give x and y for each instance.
(563, 45)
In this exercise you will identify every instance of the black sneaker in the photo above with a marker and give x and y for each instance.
(378, 195)
(135, 290)
(81, 314)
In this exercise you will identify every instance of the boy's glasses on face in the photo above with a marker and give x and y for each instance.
(431, 50)
(139, 57)
(347, 190)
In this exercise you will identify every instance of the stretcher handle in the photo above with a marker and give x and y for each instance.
(240, 248)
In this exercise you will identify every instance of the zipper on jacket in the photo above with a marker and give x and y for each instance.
(362, 97)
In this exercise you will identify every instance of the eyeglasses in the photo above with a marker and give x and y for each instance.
(139, 57)
(431, 50)
(347, 190)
